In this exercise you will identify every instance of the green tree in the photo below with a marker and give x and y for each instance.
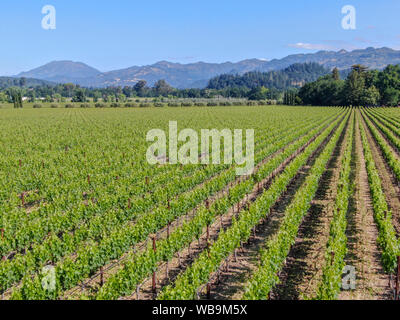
(31, 96)
(370, 97)
(326, 91)
(335, 74)
(96, 96)
(390, 97)
(388, 83)
(79, 96)
(359, 68)
(16, 96)
(68, 89)
(121, 97)
(58, 97)
(22, 82)
(259, 93)
(162, 88)
(298, 101)
(140, 88)
(355, 85)
(3, 97)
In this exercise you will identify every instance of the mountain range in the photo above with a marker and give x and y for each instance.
(197, 75)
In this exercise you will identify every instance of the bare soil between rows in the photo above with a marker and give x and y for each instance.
(303, 268)
(363, 250)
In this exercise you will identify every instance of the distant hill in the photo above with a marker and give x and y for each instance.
(62, 72)
(295, 75)
(7, 82)
(198, 74)
(195, 75)
(373, 58)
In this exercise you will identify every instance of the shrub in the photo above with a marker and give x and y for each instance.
(173, 104)
(145, 105)
(85, 105)
(187, 104)
(115, 105)
(251, 103)
(200, 104)
(159, 104)
(54, 106)
(37, 106)
(100, 105)
(130, 105)
(212, 104)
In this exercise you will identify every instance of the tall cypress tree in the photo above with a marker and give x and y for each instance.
(335, 74)
(17, 99)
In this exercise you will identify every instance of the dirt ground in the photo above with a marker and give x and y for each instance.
(303, 269)
(364, 254)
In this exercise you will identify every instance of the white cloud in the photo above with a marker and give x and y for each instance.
(311, 46)
(334, 45)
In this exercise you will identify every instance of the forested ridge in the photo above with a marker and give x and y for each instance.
(295, 75)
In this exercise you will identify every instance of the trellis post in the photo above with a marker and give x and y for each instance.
(101, 276)
(397, 278)
(154, 273)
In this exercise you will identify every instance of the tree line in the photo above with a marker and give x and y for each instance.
(251, 86)
(362, 87)
(299, 84)
(76, 93)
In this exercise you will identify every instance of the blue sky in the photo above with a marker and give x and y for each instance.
(117, 34)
